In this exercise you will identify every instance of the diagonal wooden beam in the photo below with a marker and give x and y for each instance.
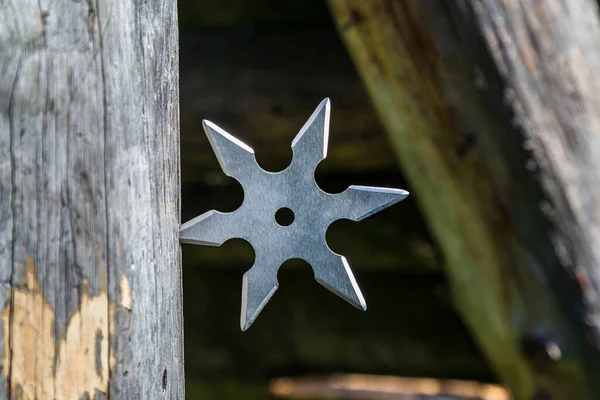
(448, 79)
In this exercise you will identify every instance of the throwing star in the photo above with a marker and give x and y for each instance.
(295, 189)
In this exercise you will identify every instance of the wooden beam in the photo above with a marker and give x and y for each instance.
(89, 192)
(547, 55)
(344, 386)
(381, 387)
(511, 223)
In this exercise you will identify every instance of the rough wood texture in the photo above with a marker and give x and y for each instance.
(89, 192)
(547, 53)
(258, 12)
(508, 245)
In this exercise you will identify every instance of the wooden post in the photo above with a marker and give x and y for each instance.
(89, 200)
(492, 107)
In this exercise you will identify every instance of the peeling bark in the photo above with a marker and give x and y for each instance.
(45, 367)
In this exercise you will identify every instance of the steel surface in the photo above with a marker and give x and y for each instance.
(294, 188)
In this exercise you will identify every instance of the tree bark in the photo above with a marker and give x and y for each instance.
(89, 198)
(491, 109)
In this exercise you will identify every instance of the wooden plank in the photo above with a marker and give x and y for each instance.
(503, 235)
(344, 386)
(263, 88)
(89, 188)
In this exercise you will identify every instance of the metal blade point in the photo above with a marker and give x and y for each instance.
(314, 210)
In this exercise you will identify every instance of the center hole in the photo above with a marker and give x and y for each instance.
(284, 216)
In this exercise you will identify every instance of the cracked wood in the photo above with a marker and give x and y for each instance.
(89, 192)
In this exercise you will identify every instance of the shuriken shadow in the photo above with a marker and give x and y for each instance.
(294, 188)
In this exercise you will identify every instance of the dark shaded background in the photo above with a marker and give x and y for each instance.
(258, 69)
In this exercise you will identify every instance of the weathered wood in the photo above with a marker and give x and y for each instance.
(509, 246)
(263, 87)
(89, 193)
(410, 329)
(548, 56)
(359, 386)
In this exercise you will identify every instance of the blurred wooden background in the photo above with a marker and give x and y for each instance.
(489, 271)
(259, 71)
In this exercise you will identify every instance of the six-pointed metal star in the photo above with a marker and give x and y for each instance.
(293, 188)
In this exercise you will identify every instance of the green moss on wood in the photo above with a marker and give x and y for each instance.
(410, 57)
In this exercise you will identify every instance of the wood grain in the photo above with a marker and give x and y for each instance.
(467, 90)
(89, 193)
(547, 54)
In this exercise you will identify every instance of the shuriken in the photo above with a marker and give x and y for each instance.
(294, 188)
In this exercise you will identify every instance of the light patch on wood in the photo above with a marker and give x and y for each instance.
(81, 356)
(5, 316)
(32, 339)
(112, 360)
(125, 293)
(77, 369)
